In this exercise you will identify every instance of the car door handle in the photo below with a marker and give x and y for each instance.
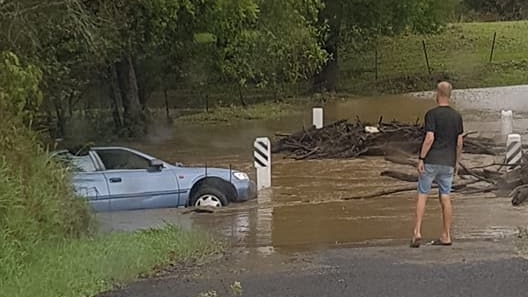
(115, 179)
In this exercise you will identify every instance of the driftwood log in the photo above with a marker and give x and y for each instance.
(398, 142)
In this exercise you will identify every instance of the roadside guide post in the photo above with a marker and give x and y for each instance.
(506, 123)
(317, 117)
(262, 160)
(513, 150)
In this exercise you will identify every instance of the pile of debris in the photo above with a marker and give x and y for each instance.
(399, 143)
(350, 140)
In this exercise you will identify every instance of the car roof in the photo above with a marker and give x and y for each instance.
(110, 148)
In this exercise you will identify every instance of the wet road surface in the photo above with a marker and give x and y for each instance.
(303, 209)
(480, 269)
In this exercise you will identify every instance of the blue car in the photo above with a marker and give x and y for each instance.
(120, 178)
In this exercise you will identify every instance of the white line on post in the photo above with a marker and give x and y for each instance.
(262, 160)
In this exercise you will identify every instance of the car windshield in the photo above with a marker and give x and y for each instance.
(75, 163)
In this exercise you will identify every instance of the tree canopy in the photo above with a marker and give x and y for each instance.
(129, 49)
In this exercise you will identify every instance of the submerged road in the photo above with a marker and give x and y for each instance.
(476, 268)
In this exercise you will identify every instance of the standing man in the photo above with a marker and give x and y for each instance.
(438, 161)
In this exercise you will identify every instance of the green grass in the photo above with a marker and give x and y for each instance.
(460, 53)
(85, 267)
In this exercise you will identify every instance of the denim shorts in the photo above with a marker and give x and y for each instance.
(442, 174)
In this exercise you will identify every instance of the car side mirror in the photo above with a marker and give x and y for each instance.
(156, 164)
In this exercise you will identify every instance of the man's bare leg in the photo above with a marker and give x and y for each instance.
(447, 213)
(421, 199)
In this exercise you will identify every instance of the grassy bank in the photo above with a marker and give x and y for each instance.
(460, 53)
(259, 111)
(85, 267)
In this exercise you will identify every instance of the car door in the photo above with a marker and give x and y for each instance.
(133, 184)
(88, 182)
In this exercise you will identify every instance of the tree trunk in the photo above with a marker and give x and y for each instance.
(206, 102)
(327, 78)
(133, 116)
(167, 111)
(70, 105)
(115, 97)
(61, 121)
(241, 96)
(142, 92)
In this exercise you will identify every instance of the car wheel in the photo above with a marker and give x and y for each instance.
(207, 196)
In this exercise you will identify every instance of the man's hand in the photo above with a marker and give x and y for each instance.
(421, 167)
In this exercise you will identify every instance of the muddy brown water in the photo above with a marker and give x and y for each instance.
(303, 209)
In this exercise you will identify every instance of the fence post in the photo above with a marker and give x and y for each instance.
(492, 47)
(262, 160)
(513, 151)
(426, 57)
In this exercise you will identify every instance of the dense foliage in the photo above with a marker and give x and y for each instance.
(117, 54)
(499, 9)
(35, 201)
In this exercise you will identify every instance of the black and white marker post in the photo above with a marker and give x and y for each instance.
(513, 141)
(262, 159)
(513, 151)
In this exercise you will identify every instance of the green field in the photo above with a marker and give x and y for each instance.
(460, 53)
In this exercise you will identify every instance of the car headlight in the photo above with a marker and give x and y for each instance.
(241, 175)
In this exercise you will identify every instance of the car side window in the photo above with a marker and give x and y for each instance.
(115, 159)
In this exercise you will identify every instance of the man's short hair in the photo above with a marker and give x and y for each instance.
(444, 89)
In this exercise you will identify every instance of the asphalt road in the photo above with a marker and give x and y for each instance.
(480, 269)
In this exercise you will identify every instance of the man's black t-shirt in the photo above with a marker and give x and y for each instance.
(446, 124)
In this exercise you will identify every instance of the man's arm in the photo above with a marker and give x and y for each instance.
(426, 146)
(460, 144)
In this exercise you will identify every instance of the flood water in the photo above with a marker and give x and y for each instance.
(304, 208)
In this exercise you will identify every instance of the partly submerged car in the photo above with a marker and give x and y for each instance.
(120, 178)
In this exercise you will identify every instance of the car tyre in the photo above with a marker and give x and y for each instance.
(207, 196)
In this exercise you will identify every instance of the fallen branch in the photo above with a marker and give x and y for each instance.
(479, 191)
(400, 175)
(519, 195)
(401, 161)
(474, 174)
(469, 133)
(401, 189)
